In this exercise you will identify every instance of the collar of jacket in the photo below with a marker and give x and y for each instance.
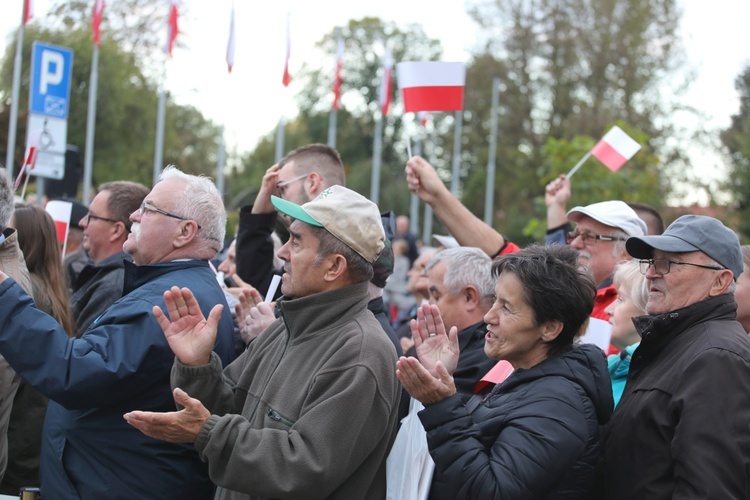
(323, 312)
(658, 331)
(471, 334)
(136, 276)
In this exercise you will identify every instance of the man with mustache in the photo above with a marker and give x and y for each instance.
(122, 361)
(681, 429)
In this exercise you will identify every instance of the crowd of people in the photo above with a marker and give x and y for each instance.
(139, 366)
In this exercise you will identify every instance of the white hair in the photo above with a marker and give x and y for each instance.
(466, 266)
(201, 202)
(7, 200)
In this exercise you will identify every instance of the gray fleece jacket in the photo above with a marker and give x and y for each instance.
(309, 410)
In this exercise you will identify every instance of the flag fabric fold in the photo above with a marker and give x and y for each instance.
(431, 85)
(28, 11)
(230, 44)
(615, 148)
(386, 87)
(337, 78)
(60, 212)
(172, 28)
(96, 20)
(287, 78)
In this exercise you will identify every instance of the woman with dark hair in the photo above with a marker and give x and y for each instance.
(536, 435)
(37, 238)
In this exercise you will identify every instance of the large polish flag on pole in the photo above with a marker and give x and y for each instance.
(431, 85)
(230, 44)
(615, 148)
(286, 78)
(337, 78)
(96, 20)
(28, 11)
(172, 29)
(386, 87)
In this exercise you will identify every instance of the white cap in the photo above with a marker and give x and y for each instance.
(614, 213)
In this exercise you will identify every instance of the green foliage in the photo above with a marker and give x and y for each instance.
(736, 139)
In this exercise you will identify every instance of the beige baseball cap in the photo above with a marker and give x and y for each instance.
(344, 213)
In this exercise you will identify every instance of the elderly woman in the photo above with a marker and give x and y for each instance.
(536, 435)
(632, 295)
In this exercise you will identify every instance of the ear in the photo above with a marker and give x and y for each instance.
(314, 183)
(550, 330)
(185, 233)
(721, 283)
(335, 267)
(470, 296)
(118, 232)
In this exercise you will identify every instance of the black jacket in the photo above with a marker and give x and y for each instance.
(537, 435)
(473, 363)
(681, 429)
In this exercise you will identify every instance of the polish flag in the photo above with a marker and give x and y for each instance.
(172, 29)
(432, 86)
(615, 148)
(28, 165)
(337, 81)
(96, 20)
(60, 212)
(287, 77)
(386, 85)
(230, 44)
(28, 11)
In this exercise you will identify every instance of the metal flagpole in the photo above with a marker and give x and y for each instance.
(456, 152)
(279, 140)
(159, 149)
(14, 100)
(377, 151)
(221, 156)
(489, 197)
(88, 156)
(414, 202)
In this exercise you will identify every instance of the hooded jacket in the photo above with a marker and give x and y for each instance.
(536, 435)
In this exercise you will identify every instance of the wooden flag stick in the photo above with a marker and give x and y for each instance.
(578, 165)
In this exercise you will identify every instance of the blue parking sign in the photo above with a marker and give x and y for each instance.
(51, 68)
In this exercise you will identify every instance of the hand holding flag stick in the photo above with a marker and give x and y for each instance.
(614, 149)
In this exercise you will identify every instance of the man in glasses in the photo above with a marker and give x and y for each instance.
(106, 226)
(122, 361)
(681, 428)
(299, 177)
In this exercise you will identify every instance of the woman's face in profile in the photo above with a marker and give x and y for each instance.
(511, 332)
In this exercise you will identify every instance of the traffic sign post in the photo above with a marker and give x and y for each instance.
(49, 99)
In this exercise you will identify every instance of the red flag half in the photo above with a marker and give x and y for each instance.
(615, 148)
(172, 27)
(230, 44)
(286, 78)
(28, 11)
(386, 87)
(337, 81)
(432, 86)
(96, 20)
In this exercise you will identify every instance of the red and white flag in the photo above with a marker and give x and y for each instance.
(230, 44)
(96, 20)
(28, 165)
(172, 28)
(60, 212)
(615, 148)
(337, 80)
(386, 87)
(431, 86)
(28, 11)
(286, 78)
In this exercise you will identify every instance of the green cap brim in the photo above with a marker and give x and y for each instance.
(294, 211)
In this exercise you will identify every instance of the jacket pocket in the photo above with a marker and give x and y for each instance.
(275, 416)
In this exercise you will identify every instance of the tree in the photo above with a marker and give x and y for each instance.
(736, 139)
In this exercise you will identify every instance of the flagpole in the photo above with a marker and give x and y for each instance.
(414, 199)
(88, 155)
(489, 197)
(159, 149)
(332, 117)
(14, 99)
(578, 165)
(427, 228)
(377, 151)
(279, 140)
(456, 152)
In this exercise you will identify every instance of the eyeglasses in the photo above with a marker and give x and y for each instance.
(147, 207)
(90, 216)
(590, 238)
(661, 266)
(281, 186)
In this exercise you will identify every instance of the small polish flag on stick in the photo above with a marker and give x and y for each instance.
(615, 148)
(431, 85)
(60, 212)
(385, 83)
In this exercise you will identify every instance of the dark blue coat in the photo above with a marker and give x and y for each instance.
(121, 363)
(537, 435)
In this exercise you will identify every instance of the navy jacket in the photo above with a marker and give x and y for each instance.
(121, 363)
(536, 435)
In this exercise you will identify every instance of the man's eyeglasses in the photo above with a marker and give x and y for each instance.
(90, 216)
(662, 266)
(590, 238)
(147, 207)
(281, 186)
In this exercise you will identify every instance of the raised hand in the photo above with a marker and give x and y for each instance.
(421, 384)
(190, 335)
(262, 204)
(253, 315)
(557, 192)
(423, 180)
(431, 341)
(176, 426)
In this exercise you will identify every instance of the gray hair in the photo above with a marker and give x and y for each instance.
(466, 266)
(618, 249)
(7, 200)
(201, 202)
(359, 269)
(628, 277)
